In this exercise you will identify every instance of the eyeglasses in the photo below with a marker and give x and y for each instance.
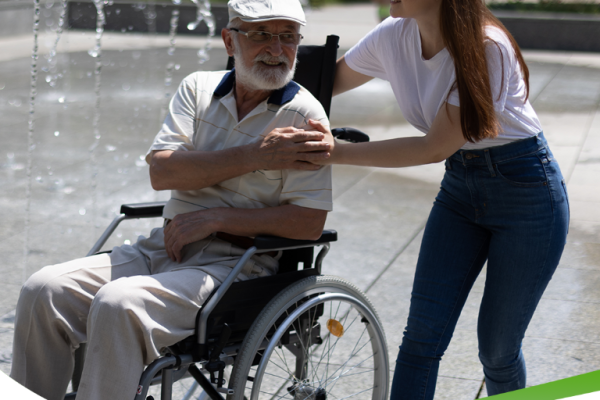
(266, 37)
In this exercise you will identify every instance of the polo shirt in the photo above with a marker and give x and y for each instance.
(203, 116)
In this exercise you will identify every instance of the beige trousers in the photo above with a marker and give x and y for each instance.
(127, 305)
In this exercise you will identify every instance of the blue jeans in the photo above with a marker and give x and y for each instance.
(505, 205)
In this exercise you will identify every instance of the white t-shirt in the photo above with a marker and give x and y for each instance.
(203, 116)
(392, 51)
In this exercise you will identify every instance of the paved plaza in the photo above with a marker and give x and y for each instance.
(78, 183)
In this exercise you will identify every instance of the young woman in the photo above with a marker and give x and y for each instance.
(459, 77)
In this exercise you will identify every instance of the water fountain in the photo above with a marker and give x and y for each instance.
(120, 97)
(31, 128)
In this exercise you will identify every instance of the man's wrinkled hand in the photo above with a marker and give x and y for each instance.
(292, 148)
(185, 229)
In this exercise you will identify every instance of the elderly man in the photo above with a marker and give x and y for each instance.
(227, 185)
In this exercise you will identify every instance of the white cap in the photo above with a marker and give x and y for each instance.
(266, 10)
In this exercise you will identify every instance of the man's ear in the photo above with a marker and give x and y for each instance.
(228, 40)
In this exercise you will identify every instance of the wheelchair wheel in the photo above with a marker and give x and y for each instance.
(318, 339)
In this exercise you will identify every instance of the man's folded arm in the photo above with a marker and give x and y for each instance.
(194, 170)
(289, 221)
(283, 148)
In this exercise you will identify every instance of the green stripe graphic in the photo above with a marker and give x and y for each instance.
(564, 388)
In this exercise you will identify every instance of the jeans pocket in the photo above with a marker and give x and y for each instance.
(527, 171)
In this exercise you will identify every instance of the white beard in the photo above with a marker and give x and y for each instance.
(259, 77)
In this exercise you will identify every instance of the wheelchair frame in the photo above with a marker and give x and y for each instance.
(211, 346)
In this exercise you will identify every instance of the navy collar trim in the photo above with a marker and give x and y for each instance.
(285, 94)
(226, 84)
(278, 97)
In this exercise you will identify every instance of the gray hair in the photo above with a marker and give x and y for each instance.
(235, 23)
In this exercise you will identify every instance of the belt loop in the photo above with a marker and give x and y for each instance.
(448, 164)
(488, 160)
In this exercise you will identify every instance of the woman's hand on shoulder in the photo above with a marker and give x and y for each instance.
(330, 154)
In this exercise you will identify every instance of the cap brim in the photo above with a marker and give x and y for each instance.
(303, 23)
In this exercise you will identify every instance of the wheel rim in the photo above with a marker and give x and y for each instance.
(350, 361)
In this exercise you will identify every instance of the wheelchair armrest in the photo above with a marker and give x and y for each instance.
(128, 211)
(275, 242)
(350, 135)
(143, 210)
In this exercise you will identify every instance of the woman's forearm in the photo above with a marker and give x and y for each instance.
(443, 139)
(392, 153)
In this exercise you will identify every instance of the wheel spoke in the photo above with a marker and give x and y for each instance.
(326, 380)
(300, 334)
(280, 377)
(335, 344)
(284, 360)
(344, 374)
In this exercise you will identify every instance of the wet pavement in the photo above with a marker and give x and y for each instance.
(77, 189)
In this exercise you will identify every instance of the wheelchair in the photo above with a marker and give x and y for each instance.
(296, 335)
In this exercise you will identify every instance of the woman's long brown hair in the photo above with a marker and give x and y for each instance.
(463, 25)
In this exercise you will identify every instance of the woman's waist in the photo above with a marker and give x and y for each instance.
(497, 154)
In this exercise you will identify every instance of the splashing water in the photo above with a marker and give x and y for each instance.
(171, 51)
(204, 14)
(100, 22)
(31, 126)
(170, 65)
(53, 77)
(11, 165)
(96, 52)
(173, 28)
(150, 16)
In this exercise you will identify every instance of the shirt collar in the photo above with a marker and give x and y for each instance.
(278, 97)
